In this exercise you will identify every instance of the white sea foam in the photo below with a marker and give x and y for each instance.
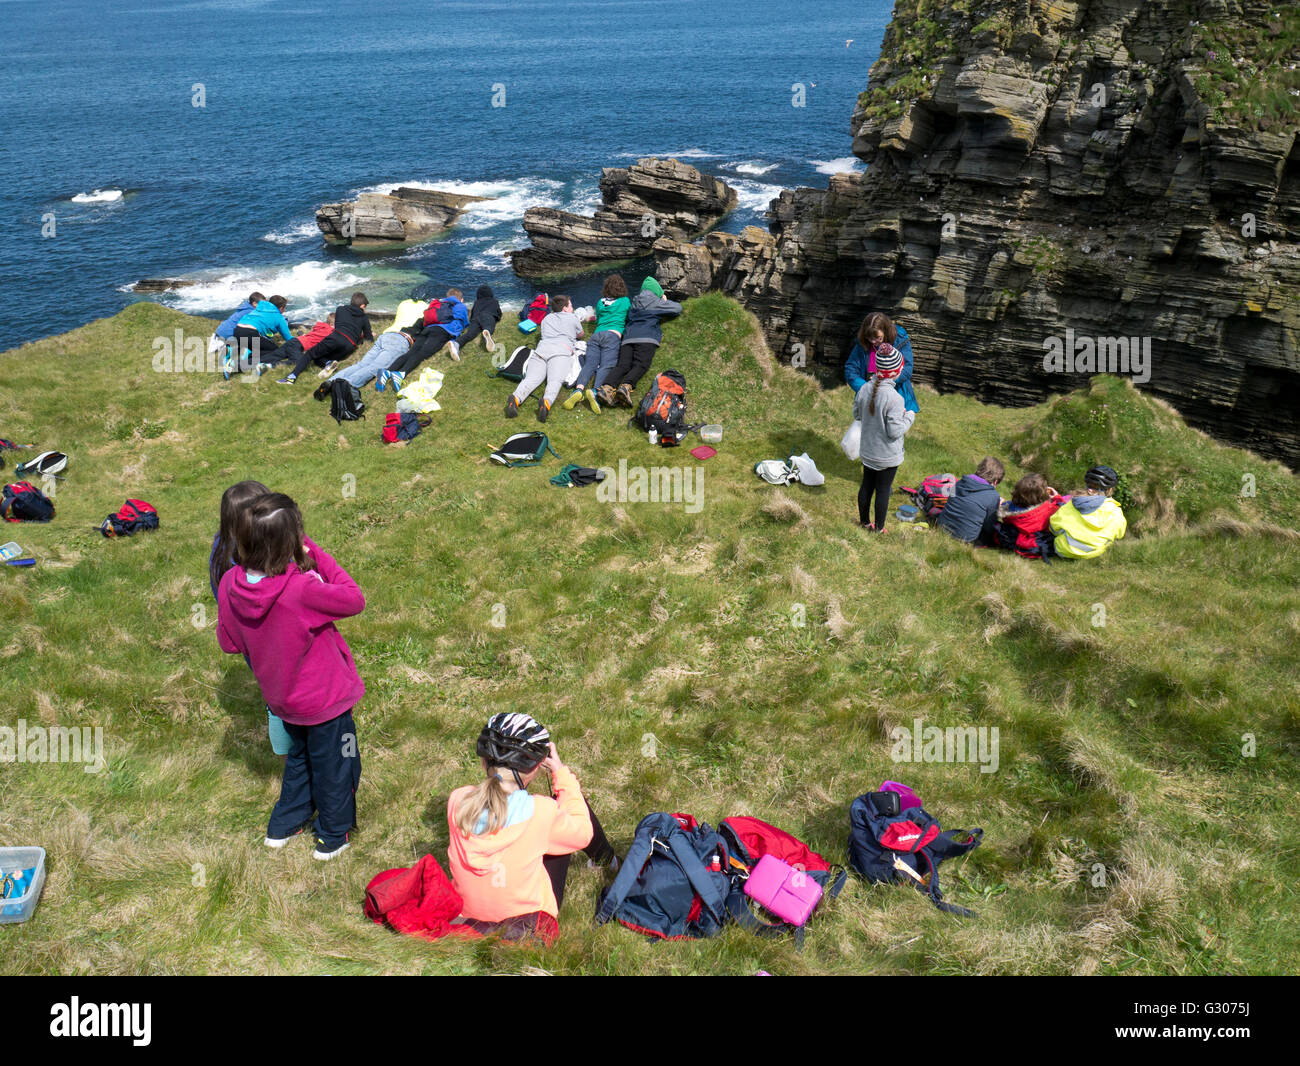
(309, 287)
(752, 166)
(98, 196)
(686, 153)
(754, 195)
(294, 234)
(846, 165)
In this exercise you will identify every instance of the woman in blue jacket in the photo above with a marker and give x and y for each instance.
(878, 329)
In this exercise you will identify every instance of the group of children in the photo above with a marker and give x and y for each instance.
(279, 595)
(1036, 523)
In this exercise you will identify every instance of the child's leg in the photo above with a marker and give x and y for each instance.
(534, 375)
(642, 356)
(623, 367)
(557, 367)
(884, 486)
(557, 866)
(295, 803)
(607, 349)
(557, 869)
(335, 765)
(865, 491)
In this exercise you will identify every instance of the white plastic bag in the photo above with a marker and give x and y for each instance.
(851, 442)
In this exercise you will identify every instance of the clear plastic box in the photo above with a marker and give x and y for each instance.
(13, 860)
(711, 434)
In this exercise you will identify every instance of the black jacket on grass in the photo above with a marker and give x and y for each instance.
(972, 512)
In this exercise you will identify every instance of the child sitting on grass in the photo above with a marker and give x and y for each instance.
(1090, 521)
(972, 512)
(277, 606)
(510, 850)
(551, 361)
(1022, 525)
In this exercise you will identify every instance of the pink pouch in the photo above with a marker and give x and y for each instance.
(788, 893)
(907, 799)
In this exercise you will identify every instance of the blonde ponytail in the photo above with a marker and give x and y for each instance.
(490, 796)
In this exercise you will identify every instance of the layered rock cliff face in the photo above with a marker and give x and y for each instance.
(1046, 179)
(653, 198)
(401, 217)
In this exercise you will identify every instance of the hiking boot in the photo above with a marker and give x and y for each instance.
(543, 410)
(324, 853)
(321, 392)
(512, 407)
(453, 350)
(488, 342)
(592, 402)
(575, 398)
(288, 381)
(606, 394)
(624, 396)
(328, 368)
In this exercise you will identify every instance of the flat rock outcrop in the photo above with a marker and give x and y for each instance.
(1090, 167)
(400, 217)
(639, 204)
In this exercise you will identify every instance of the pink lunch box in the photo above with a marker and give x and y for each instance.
(788, 893)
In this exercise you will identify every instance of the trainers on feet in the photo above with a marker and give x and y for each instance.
(328, 368)
(453, 350)
(488, 342)
(288, 381)
(575, 398)
(323, 853)
(512, 407)
(278, 842)
(395, 379)
(592, 402)
(543, 410)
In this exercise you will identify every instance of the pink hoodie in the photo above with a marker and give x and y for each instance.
(285, 626)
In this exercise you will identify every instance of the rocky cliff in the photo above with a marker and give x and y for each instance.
(652, 198)
(1055, 179)
(401, 217)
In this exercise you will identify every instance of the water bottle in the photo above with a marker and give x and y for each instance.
(653, 436)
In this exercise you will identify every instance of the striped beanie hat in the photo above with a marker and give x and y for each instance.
(889, 361)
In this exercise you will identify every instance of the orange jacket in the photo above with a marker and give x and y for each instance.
(500, 875)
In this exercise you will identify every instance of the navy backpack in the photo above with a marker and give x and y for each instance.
(905, 847)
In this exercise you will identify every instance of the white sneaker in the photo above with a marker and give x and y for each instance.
(325, 856)
(328, 368)
(453, 350)
(488, 342)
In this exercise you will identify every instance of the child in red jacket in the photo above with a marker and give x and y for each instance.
(1022, 525)
(277, 606)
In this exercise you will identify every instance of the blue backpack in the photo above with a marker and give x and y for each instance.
(883, 848)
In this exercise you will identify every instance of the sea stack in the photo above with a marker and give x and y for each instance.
(400, 217)
(639, 204)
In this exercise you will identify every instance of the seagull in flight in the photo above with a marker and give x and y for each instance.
(849, 42)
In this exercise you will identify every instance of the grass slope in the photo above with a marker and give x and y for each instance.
(1124, 829)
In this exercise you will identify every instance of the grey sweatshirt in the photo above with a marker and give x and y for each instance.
(557, 333)
(882, 433)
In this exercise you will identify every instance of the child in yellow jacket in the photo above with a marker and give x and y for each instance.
(1091, 521)
(510, 850)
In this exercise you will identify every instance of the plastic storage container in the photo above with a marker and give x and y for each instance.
(907, 513)
(711, 434)
(17, 861)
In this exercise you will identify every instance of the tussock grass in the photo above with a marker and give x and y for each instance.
(749, 658)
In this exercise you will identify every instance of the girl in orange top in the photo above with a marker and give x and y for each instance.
(510, 850)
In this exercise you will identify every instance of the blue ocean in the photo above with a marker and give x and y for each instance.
(110, 173)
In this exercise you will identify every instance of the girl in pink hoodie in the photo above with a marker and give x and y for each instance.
(277, 607)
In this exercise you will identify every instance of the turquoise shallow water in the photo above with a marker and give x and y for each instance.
(310, 102)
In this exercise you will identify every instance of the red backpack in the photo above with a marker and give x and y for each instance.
(432, 312)
(24, 502)
(537, 310)
(663, 407)
(131, 517)
(933, 495)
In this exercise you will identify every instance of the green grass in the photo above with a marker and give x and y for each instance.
(1120, 744)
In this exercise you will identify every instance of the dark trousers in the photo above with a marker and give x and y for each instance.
(337, 346)
(321, 774)
(878, 483)
(557, 866)
(633, 361)
(476, 328)
(253, 348)
(431, 338)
